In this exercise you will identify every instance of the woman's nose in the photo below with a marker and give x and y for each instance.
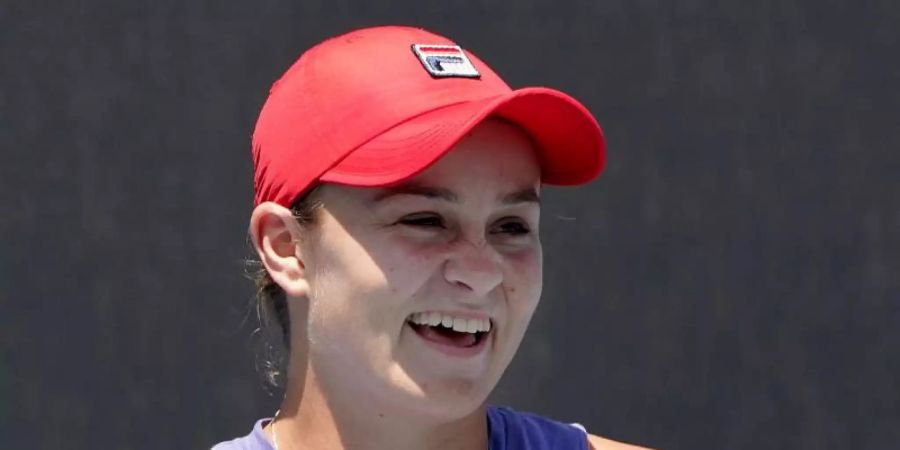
(475, 267)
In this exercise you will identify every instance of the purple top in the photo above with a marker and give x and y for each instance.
(508, 429)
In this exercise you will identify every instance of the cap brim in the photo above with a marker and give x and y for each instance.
(570, 143)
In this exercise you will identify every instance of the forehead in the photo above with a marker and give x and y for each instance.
(495, 153)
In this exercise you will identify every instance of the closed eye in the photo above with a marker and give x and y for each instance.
(511, 226)
(423, 220)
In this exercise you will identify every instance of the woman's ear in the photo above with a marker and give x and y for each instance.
(276, 234)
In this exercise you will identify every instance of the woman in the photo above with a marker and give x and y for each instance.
(397, 185)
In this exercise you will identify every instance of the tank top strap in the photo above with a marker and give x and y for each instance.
(514, 430)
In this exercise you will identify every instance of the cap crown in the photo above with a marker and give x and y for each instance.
(344, 92)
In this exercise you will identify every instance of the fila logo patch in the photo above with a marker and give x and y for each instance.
(445, 61)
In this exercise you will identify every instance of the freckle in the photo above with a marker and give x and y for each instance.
(380, 415)
(512, 289)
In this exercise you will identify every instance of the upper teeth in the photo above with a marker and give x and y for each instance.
(458, 324)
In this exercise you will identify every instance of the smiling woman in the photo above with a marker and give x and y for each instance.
(396, 220)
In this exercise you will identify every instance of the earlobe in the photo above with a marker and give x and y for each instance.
(275, 234)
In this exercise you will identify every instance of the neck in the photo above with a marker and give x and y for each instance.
(310, 419)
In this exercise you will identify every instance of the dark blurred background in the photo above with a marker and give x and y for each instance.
(730, 282)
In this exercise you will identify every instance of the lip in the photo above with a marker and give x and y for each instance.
(452, 350)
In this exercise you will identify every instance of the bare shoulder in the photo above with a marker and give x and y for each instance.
(599, 443)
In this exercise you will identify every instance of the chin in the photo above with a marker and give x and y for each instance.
(450, 399)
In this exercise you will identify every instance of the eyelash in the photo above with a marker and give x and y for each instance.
(436, 221)
(425, 221)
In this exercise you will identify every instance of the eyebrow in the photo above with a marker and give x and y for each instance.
(526, 195)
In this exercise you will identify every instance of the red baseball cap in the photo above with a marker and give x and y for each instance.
(376, 106)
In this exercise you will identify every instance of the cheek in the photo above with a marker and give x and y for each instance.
(524, 279)
(365, 289)
(408, 266)
(522, 286)
(346, 288)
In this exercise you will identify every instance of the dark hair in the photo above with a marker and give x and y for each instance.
(271, 303)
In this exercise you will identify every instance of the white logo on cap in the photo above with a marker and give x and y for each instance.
(445, 61)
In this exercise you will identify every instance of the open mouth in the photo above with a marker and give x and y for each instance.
(450, 330)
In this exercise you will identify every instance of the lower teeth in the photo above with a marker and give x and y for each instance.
(462, 339)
